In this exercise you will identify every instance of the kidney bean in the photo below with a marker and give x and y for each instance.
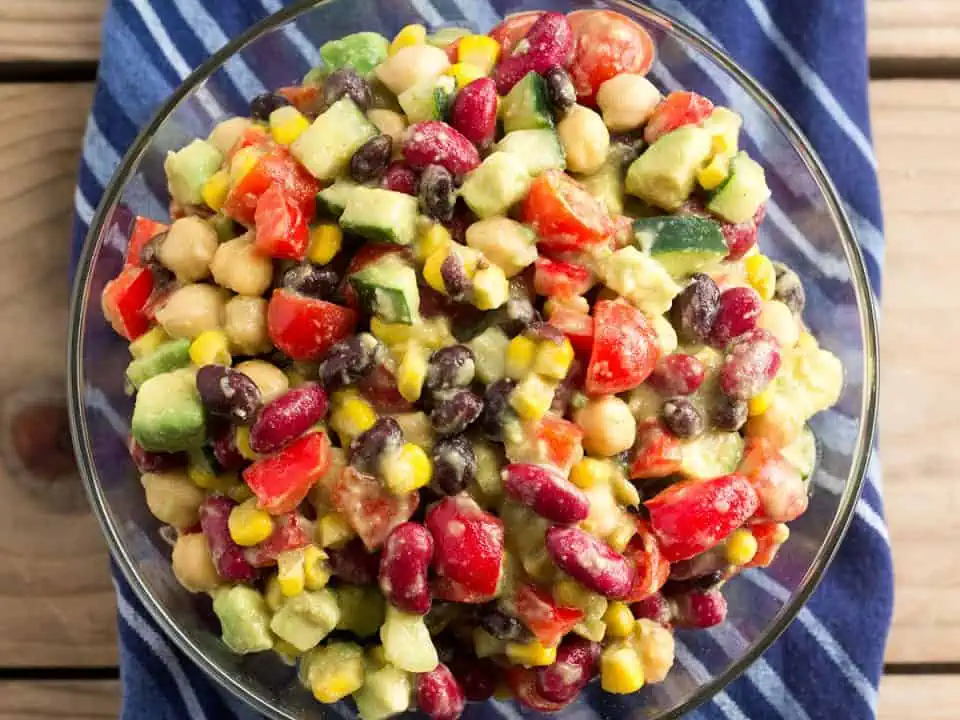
(548, 493)
(694, 310)
(454, 465)
(454, 411)
(538, 330)
(439, 695)
(354, 564)
(371, 159)
(346, 81)
(347, 362)
(677, 374)
(450, 367)
(575, 666)
(701, 609)
(401, 178)
(741, 237)
(656, 608)
(224, 443)
(738, 311)
(500, 625)
(590, 561)
(496, 408)
(549, 42)
(474, 112)
(477, 676)
(435, 143)
(288, 417)
(728, 414)
(154, 462)
(312, 281)
(751, 362)
(228, 557)
(370, 446)
(436, 193)
(560, 91)
(789, 290)
(682, 417)
(264, 104)
(228, 393)
(404, 564)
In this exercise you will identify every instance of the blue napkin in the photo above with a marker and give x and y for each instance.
(812, 56)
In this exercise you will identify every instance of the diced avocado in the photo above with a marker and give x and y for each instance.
(489, 352)
(244, 619)
(306, 619)
(332, 200)
(539, 150)
(742, 193)
(381, 215)
(665, 173)
(407, 642)
(526, 107)
(168, 415)
(606, 185)
(388, 288)
(361, 609)
(325, 148)
(429, 99)
(386, 692)
(724, 125)
(683, 244)
(362, 51)
(189, 168)
(640, 279)
(505, 242)
(802, 452)
(333, 670)
(496, 185)
(711, 455)
(169, 356)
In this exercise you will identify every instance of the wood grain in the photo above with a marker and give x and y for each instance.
(56, 601)
(50, 29)
(77, 700)
(919, 697)
(913, 29)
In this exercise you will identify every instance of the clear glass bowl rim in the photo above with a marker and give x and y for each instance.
(867, 315)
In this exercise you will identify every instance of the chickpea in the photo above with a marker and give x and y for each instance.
(271, 380)
(246, 325)
(608, 426)
(225, 135)
(172, 498)
(389, 123)
(656, 646)
(780, 322)
(237, 265)
(626, 101)
(192, 309)
(193, 563)
(188, 248)
(410, 65)
(585, 139)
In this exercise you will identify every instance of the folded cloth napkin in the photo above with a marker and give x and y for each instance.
(812, 57)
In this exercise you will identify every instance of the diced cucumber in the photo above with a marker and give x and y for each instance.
(526, 107)
(361, 609)
(168, 415)
(496, 185)
(429, 99)
(802, 453)
(332, 200)
(381, 215)
(386, 692)
(388, 288)
(489, 461)
(244, 619)
(683, 244)
(489, 352)
(189, 168)
(169, 356)
(407, 642)
(711, 455)
(306, 619)
(325, 148)
(742, 193)
(362, 51)
(664, 175)
(539, 150)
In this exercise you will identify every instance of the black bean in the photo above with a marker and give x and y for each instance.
(454, 275)
(369, 447)
(703, 582)
(539, 330)
(496, 408)
(560, 91)
(436, 193)
(449, 367)
(728, 414)
(454, 411)
(349, 360)
(346, 81)
(312, 281)
(627, 148)
(454, 464)
(651, 487)
(695, 309)
(499, 624)
(371, 159)
(518, 312)
(228, 393)
(148, 254)
(681, 417)
(262, 105)
(789, 290)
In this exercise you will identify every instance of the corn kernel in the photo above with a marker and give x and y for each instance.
(622, 534)
(249, 525)
(575, 303)
(481, 51)
(287, 124)
(435, 237)
(316, 571)
(761, 403)
(333, 530)
(412, 372)
(326, 239)
(354, 416)
(148, 342)
(290, 572)
(490, 288)
(553, 361)
(272, 594)
(407, 470)
(390, 333)
(532, 397)
(242, 441)
(741, 547)
(714, 173)
(761, 275)
(210, 347)
(521, 353)
(214, 190)
(807, 342)
(531, 654)
(244, 160)
(464, 73)
(201, 473)
(621, 670)
(408, 37)
(588, 472)
(337, 686)
(721, 145)
(619, 620)
(431, 269)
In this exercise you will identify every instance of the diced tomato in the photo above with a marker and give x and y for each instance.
(291, 531)
(305, 328)
(306, 98)
(372, 510)
(144, 230)
(693, 516)
(543, 617)
(446, 589)
(380, 387)
(523, 684)
(281, 481)
(452, 50)
(606, 44)
(676, 110)
(253, 136)
(561, 440)
(769, 538)
(577, 326)
(275, 166)
(556, 278)
(565, 216)
(513, 29)
(651, 568)
(625, 348)
(779, 485)
(125, 299)
(656, 451)
(468, 544)
(281, 230)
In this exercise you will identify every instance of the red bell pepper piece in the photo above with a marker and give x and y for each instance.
(306, 98)
(779, 485)
(625, 348)
(678, 109)
(305, 328)
(291, 532)
(281, 481)
(144, 230)
(651, 567)
(372, 510)
(543, 617)
(124, 301)
(557, 278)
(770, 537)
(275, 166)
(281, 230)
(656, 451)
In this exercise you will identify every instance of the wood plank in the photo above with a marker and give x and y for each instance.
(919, 697)
(913, 29)
(56, 600)
(917, 131)
(77, 699)
(50, 29)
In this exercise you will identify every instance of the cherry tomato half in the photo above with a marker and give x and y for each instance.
(564, 214)
(625, 348)
(606, 44)
(513, 29)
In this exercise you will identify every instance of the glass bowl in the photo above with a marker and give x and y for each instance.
(805, 227)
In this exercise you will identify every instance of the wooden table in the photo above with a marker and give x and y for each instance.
(57, 641)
